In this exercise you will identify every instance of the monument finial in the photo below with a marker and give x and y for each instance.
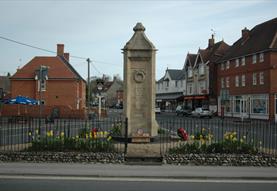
(139, 27)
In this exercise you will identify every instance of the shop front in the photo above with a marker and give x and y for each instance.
(168, 102)
(196, 101)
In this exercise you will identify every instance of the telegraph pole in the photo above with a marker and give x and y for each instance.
(88, 82)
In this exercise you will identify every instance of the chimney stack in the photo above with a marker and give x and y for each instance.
(66, 56)
(245, 33)
(60, 50)
(211, 41)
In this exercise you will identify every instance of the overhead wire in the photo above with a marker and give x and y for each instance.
(50, 51)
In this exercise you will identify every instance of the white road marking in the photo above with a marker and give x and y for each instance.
(135, 179)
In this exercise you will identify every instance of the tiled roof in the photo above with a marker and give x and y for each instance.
(176, 74)
(261, 37)
(58, 68)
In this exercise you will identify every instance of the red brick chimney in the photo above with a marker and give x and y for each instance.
(211, 41)
(245, 33)
(66, 56)
(60, 49)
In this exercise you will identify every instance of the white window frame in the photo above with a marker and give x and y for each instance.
(201, 69)
(190, 72)
(237, 81)
(237, 62)
(222, 66)
(228, 64)
(243, 80)
(254, 59)
(227, 82)
(222, 82)
(254, 79)
(261, 57)
(243, 61)
(261, 78)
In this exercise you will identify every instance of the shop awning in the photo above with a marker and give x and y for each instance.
(195, 97)
(168, 96)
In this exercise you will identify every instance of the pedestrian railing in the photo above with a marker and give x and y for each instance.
(32, 134)
(258, 135)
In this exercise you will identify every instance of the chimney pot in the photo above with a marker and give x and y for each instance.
(60, 49)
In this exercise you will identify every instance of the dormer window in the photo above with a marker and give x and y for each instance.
(237, 62)
(222, 66)
(243, 61)
(190, 72)
(254, 59)
(228, 64)
(201, 69)
(261, 57)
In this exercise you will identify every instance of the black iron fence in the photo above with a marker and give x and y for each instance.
(259, 135)
(30, 134)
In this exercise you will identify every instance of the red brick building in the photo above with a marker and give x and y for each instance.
(201, 78)
(247, 75)
(62, 86)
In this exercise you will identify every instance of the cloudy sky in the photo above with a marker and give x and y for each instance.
(99, 29)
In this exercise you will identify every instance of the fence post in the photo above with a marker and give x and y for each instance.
(126, 136)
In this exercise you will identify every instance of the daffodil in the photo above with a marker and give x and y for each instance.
(109, 138)
(30, 133)
(62, 134)
(37, 131)
(244, 137)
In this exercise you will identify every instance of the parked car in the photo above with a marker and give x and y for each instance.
(157, 110)
(201, 112)
(184, 111)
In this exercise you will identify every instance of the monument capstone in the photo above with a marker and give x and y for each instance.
(139, 86)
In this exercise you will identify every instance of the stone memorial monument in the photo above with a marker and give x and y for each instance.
(139, 86)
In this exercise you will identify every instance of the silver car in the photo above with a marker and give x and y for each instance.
(200, 112)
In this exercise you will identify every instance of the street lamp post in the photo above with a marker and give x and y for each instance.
(99, 88)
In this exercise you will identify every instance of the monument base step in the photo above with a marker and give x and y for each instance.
(139, 160)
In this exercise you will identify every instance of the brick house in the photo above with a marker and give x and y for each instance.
(62, 86)
(247, 76)
(200, 71)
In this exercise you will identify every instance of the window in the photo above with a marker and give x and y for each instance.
(202, 87)
(201, 69)
(261, 57)
(222, 82)
(261, 78)
(237, 62)
(243, 80)
(222, 66)
(228, 64)
(189, 88)
(259, 104)
(237, 81)
(254, 79)
(167, 83)
(190, 72)
(243, 61)
(254, 59)
(227, 82)
(176, 83)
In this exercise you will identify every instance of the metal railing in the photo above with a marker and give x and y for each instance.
(34, 134)
(259, 134)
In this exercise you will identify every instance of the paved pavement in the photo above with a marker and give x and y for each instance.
(112, 170)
